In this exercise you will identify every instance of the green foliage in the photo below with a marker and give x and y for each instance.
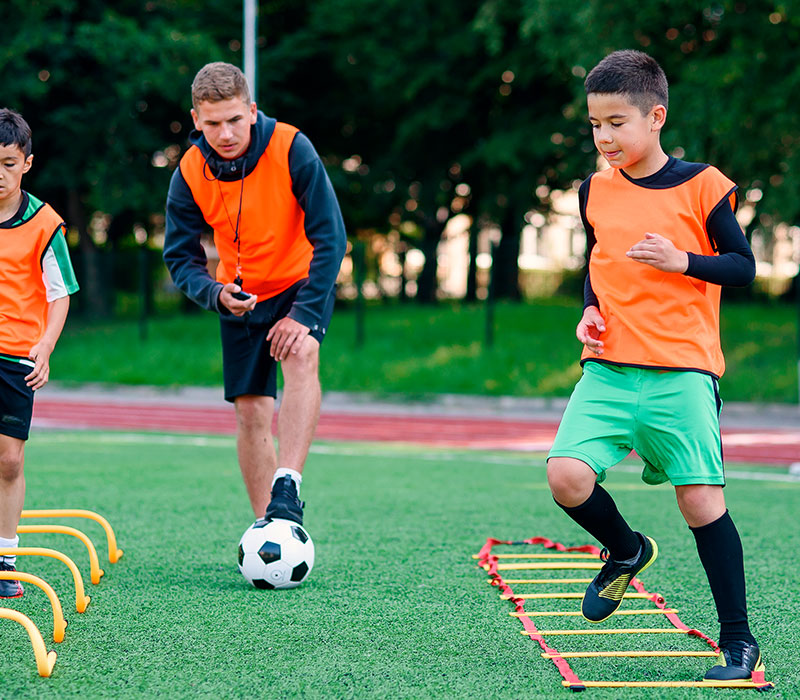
(405, 101)
(103, 88)
(731, 66)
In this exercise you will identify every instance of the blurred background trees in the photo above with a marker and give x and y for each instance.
(425, 113)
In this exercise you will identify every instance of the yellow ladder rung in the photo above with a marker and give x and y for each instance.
(635, 630)
(544, 581)
(546, 565)
(529, 596)
(594, 654)
(560, 555)
(572, 613)
(667, 684)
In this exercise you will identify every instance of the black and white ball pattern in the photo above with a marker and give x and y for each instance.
(276, 554)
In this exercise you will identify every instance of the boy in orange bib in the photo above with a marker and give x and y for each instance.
(662, 239)
(37, 279)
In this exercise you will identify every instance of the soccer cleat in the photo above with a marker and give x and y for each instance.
(604, 594)
(737, 661)
(10, 588)
(285, 505)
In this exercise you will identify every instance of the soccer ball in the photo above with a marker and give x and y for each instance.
(276, 554)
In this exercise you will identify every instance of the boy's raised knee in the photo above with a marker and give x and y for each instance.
(571, 481)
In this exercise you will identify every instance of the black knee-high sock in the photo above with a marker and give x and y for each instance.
(598, 515)
(720, 550)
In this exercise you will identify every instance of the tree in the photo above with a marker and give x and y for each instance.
(106, 93)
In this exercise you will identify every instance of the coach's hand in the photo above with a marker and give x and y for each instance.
(285, 337)
(660, 253)
(40, 354)
(590, 328)
(238, 307)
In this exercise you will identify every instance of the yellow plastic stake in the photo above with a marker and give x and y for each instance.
(81, 599)
(546, 565)
(571, 613)
(45, 660)
(636, 630)
(529, 596)
(114, 553)
(59, 623)
(94, 564)
(596, 654)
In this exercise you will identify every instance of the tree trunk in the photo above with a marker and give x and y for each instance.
(472, 271)
(505, 266)
(427, 282)
(95, 297)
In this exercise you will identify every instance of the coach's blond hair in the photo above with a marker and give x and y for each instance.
(219, 81)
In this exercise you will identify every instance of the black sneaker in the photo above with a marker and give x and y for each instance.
(10, 589)
(285, 505)
(604, 594)
(737, 661)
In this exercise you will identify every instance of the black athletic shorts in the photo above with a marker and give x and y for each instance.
(16, 399)
(247, 366)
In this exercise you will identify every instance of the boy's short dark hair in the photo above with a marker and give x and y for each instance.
(14, 131)
(633, 74)
(219, 81)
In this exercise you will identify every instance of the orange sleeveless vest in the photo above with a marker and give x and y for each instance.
(275, 252)
(23, 301)
(655, 318)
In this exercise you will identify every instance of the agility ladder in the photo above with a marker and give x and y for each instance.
(557, 557)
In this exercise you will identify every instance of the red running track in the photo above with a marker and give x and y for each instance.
(779, 446)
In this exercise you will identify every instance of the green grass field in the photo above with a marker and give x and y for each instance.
(413, 350)
(395, 607)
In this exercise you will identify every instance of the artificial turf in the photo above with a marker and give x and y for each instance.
(395, 606)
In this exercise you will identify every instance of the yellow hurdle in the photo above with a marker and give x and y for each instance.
(94, 564)
(81, 599)
(59, 623)
(44, 660)
(114, 553)
(573, 613)
(595, 654)
(530, 596)
(635, 630)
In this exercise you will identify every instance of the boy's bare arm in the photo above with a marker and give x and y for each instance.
(40, 353)
(589, 329)
(659, 252)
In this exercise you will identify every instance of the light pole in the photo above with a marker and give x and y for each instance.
(250, 31)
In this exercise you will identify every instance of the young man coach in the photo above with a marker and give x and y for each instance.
(259, 185)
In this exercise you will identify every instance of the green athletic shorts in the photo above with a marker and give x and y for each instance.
(671, 419)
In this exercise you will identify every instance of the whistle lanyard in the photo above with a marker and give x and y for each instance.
(237, 239)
